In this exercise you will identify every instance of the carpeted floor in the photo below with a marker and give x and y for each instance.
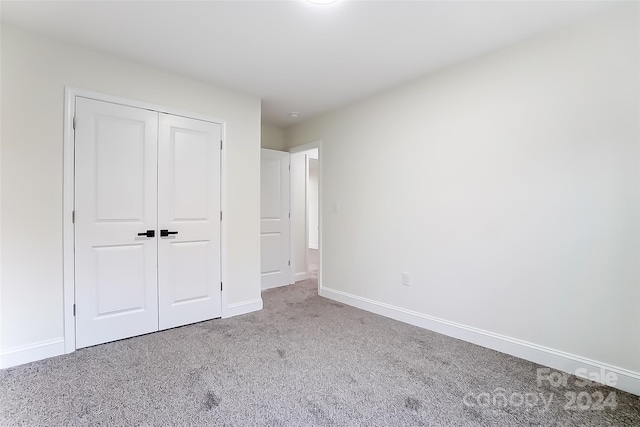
(302, 361)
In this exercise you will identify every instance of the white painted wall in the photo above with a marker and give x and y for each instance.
(312, 201)
(1, 104)
(34, 73)
(272, 137)
(508, 186)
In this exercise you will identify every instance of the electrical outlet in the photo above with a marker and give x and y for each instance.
(406, 280)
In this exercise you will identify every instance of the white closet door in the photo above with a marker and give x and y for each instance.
(189, 209)
(116, 200)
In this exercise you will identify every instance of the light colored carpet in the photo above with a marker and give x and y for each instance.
(302, 361)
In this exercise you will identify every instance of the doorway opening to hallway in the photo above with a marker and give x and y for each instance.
(306, 211)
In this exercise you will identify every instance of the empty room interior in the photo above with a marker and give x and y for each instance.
(320, 212)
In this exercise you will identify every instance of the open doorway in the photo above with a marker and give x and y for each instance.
(305, 212)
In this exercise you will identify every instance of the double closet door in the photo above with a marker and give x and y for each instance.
(147, 221)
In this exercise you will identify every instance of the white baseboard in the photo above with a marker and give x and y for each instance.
(243, 307)
(303, 275)
(276, 286)
(628, 381)
(31, 353)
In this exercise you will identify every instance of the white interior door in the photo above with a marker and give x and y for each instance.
(189, 210)
(116, 201)
(274, 218)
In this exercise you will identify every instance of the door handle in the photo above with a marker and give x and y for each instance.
(166, 233)
(148, 233)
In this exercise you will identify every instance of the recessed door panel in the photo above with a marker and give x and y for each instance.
(189, 271)
(271, 188)
(189, 209)
(120, 163)
(120, 276)
(271, 258)
(115, 200)
(190, 156)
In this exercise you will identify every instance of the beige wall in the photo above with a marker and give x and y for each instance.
(508, 187)
(272, 137)
(35, 71)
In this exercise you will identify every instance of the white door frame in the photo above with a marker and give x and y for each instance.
(68, 195)
(307, 147)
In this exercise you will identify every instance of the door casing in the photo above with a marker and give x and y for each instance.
(69, 198)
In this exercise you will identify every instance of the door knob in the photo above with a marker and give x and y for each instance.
(165, 233)
(148, 233)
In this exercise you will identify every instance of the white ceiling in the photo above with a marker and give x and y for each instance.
(294, 55)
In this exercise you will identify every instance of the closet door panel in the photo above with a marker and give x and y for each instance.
(115, 201)
(189, 211)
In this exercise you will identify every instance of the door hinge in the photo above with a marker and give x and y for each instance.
(74, 122)
(289, 263)
(74, 309)
(221, 216)
(220, 145)
(220, 285)
(73, 217)
(289, 214)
